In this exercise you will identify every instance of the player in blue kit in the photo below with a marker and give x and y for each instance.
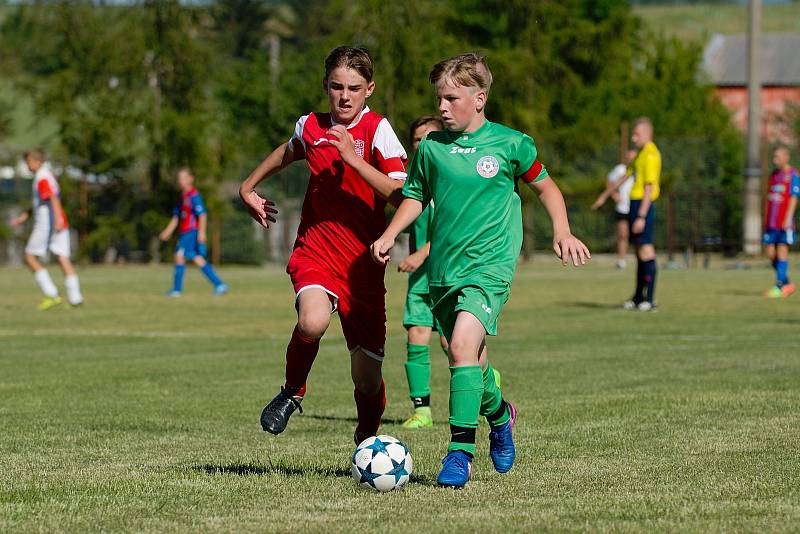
(190, 218)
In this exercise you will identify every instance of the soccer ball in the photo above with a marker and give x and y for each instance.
(381, 463)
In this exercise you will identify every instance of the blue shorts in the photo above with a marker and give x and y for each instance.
(779, 237)
(647, 236)
(188, 245)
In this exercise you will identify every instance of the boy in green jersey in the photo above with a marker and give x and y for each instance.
(417, 316)
(470, 171)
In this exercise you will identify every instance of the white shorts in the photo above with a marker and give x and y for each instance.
(42, 240)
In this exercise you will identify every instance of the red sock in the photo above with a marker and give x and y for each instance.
(300, 355)
(370, 409)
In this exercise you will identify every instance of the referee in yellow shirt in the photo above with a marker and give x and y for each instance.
(646, 170)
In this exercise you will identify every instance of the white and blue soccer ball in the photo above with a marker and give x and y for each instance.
(382, 463)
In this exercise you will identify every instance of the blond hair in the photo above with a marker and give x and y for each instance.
(466, 70)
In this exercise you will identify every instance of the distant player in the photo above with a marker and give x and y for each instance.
(646, 188)
(50, 232)
(356, 163)
(622, 203)
(470, 171)
(191, 220)
(779, 229)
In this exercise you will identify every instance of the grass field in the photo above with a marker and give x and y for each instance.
(139, 413)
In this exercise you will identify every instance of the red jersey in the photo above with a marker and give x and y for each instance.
(342, 215)
(45, 187)
(783, 185)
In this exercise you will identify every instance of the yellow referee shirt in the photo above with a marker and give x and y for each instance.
(647, 170)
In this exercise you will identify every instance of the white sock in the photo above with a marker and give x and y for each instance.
(73, 289)
(46, 283)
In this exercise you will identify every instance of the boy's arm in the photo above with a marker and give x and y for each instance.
(565, 244)
(795, 193)
(611, 188)
(414, 261)
(167, 232)
(58, 212)
(388, 188)
(202, 225)
(644, 207)
(787, 222)
(408, 212)
(260, 208)
(21, 218)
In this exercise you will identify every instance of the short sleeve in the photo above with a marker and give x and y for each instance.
(652, 168)
(389, 155)
(44, 190)
(176, 212)
(198, 207)
(296, 143)
(416, 186)
(795, 184)
(617, 172)
(524, 162)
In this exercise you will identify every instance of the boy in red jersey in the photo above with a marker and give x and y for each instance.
(779, 231)
(357, 164)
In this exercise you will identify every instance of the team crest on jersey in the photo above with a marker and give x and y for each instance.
(488, 166)
(359, 146)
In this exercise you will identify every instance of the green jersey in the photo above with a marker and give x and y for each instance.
(419, 235)
(472, 179)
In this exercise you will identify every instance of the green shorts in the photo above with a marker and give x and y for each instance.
(483, 296)
(418, 311)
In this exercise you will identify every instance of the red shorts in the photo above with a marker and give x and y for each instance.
(362, 311)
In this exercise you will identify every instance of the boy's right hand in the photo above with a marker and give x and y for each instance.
(260, 208)
(380, 250)
(164, 235)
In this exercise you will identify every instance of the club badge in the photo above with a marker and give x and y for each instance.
(488, 166)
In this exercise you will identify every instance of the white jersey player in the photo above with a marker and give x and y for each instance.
(50, 233)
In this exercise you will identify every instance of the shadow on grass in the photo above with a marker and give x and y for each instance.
(287, 471)
(277, 469)
(384, 420)
(742, 293)
(594, 305)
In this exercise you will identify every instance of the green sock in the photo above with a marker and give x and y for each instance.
(492, 406)
(418, 370)
(466, 389)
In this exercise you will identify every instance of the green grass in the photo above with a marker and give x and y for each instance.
(140, 413)
(701, 21)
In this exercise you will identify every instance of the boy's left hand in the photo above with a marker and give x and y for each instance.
(411, 263)
(568, 246)
(343, 142)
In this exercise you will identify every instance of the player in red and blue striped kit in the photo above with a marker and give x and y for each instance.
(779, 228)
(189, 217)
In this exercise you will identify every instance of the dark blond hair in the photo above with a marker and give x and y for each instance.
(466, 70)
(356, 58)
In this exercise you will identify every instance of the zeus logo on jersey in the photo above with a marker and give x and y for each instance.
(459, 150)
(488, 166)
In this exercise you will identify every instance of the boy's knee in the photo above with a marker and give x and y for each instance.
(419, 335)
(462, 352)
(313, 323)
(367, 382)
